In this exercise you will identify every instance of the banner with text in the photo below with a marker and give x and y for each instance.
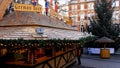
(26, 7)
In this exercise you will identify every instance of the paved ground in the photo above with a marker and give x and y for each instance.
(94, 61)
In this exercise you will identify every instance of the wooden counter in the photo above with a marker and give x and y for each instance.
(58, 60)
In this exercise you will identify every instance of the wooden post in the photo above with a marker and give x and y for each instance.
(16, 14)
(54, 54)
(39, 16)
(104, 45)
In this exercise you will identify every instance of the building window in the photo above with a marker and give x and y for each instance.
(74, 7)
(76, 19)
(82, 16)
(90, 0)
(90, 14)
(116, 15)
(113, 4)
(117, 3)
(90, 5)
(82, 0)
(82, 6)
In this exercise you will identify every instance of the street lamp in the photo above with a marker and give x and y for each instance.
(82, 26)
(119, 16)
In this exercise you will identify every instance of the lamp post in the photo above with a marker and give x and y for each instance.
(119, 16)
(82, 26)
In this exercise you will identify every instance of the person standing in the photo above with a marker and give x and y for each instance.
(79, 53)
(46, 7)
(56, 6)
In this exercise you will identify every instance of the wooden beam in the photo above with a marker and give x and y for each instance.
(16, 14)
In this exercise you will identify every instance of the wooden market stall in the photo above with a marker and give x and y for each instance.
(38, 53)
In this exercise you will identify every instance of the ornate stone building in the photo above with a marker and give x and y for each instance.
(80, 10)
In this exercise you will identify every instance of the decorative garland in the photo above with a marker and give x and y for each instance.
(21, 43)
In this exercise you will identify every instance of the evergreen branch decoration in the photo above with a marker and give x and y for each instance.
(33, 44)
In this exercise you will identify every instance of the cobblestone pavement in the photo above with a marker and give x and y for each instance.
(94, 61)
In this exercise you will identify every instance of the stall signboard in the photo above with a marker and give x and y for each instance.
(40, 30)
(27, 7)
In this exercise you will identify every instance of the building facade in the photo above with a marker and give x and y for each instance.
(80, 10)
